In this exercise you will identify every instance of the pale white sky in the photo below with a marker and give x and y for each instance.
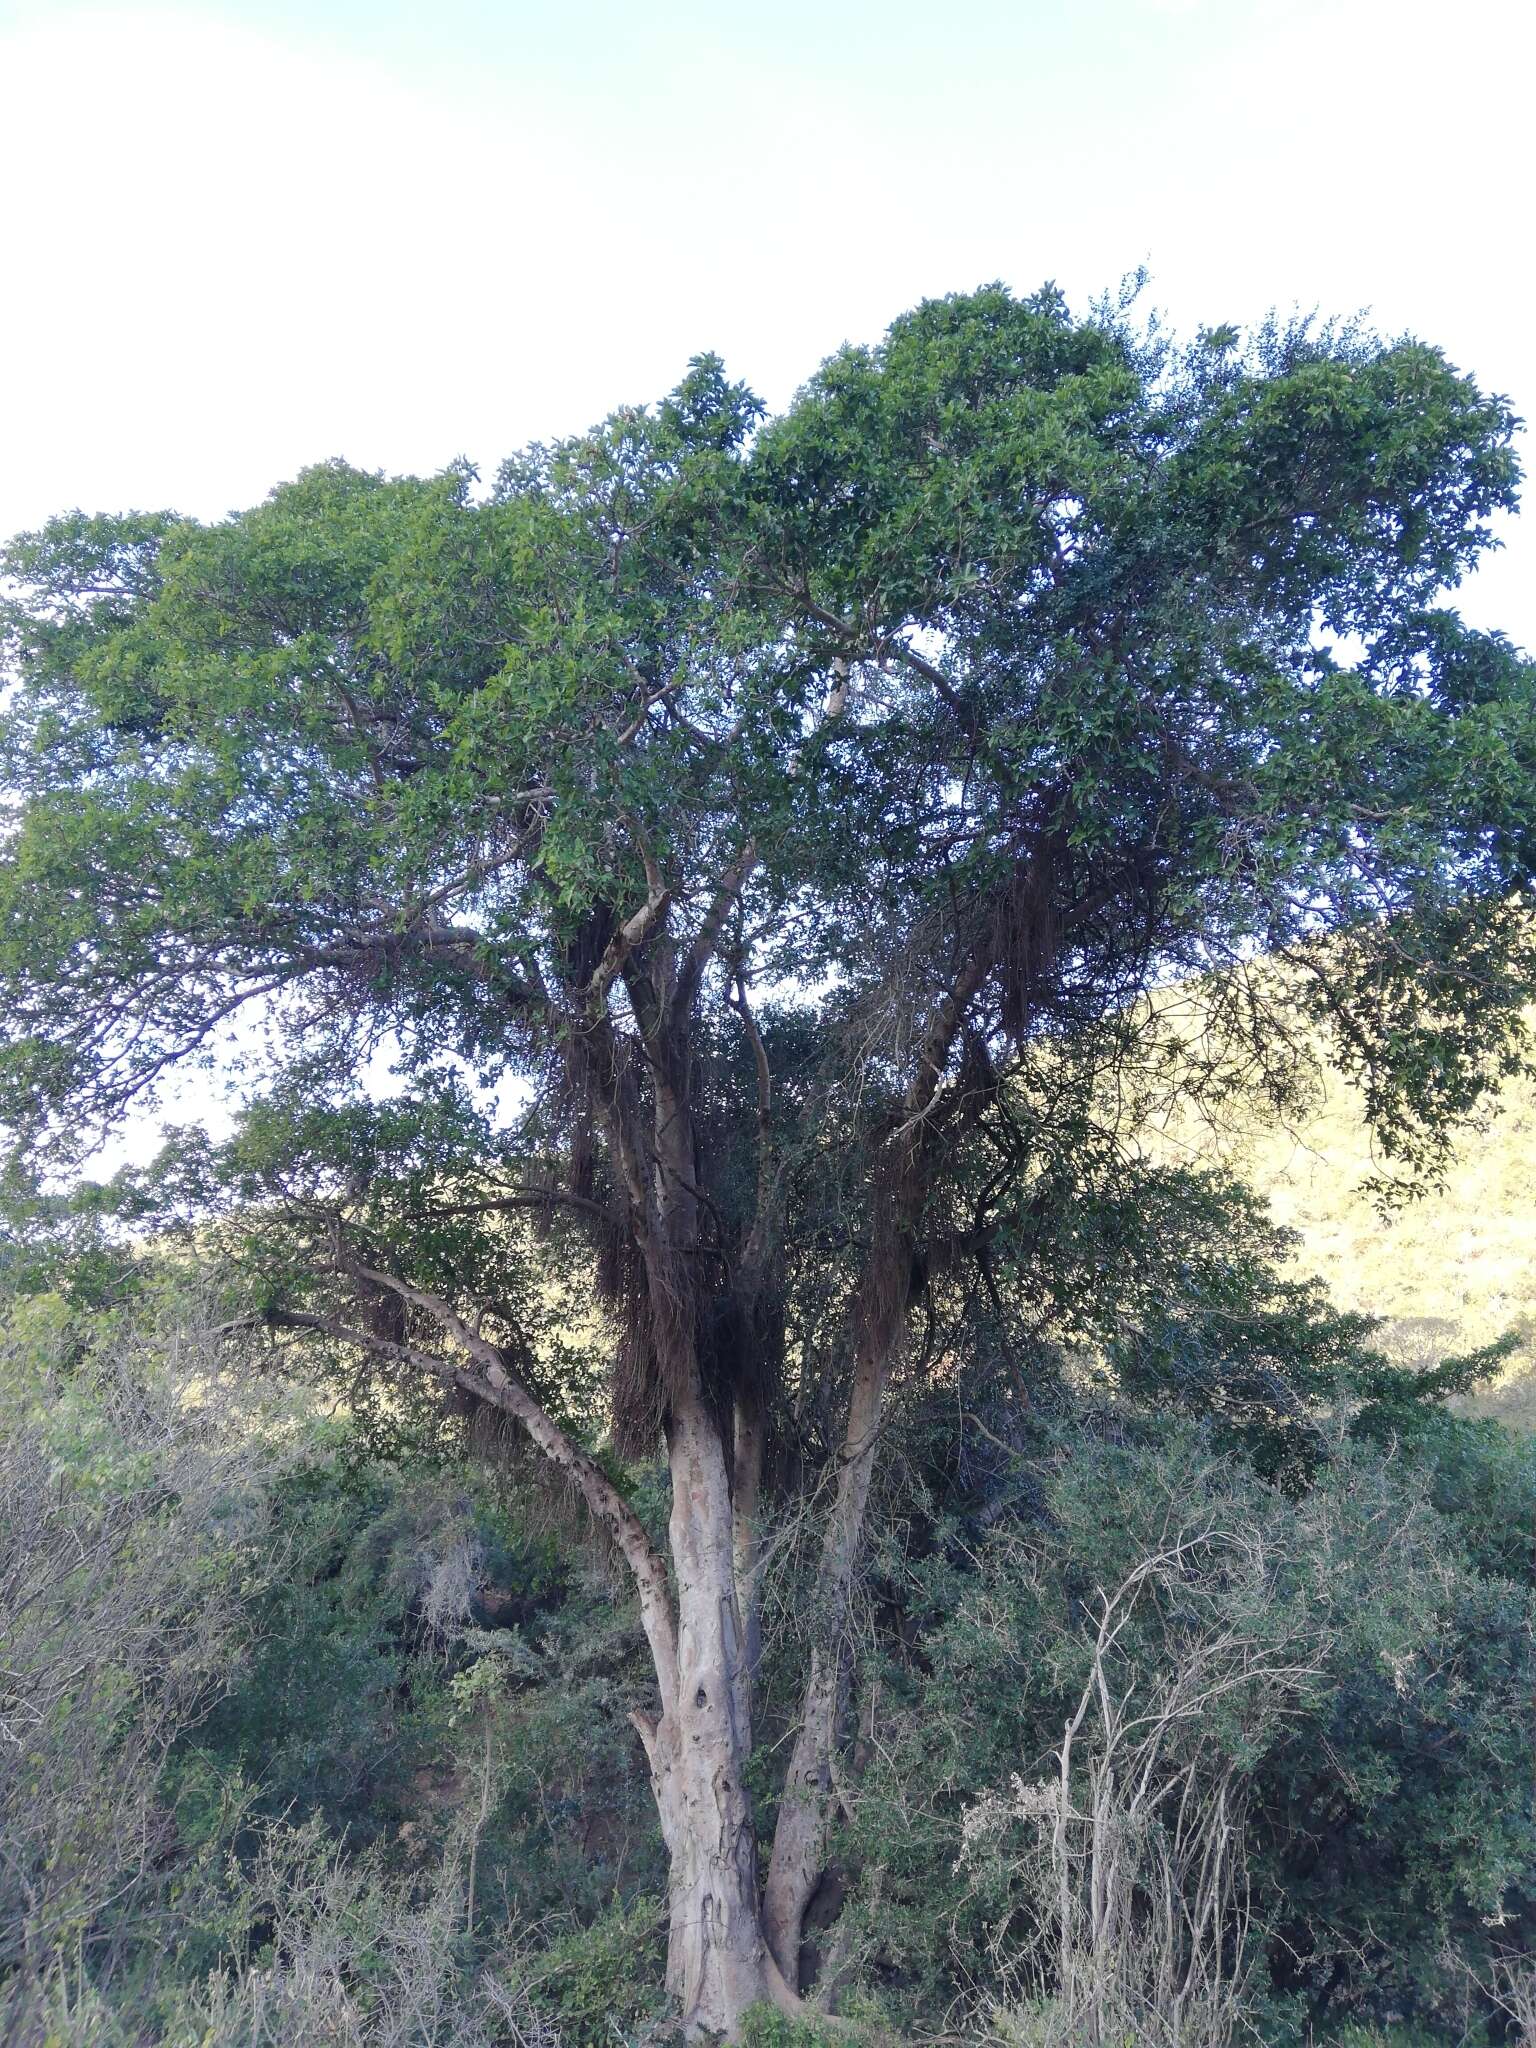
(243, 235)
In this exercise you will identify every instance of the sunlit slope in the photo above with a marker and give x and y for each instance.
(1450, 1271)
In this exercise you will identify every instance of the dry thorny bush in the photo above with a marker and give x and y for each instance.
(1132, 1851)
(134, 1525)
(348, 1958)
(137, 1533)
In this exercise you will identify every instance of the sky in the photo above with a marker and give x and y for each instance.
(242, 237)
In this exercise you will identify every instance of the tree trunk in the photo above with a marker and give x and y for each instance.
(718, 1962)
(880, 1315)
(805, 1811)
(746, 1518)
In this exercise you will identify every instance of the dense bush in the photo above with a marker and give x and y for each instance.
(1386, 1801)
(235, 1645)
(306, 1742)
(136, 1545)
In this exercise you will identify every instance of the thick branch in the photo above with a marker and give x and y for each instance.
(495, 1384)
(702, 950)
(632, 933)
(944, 1027)
(754, 1255)
(458, 944)
(907, 656)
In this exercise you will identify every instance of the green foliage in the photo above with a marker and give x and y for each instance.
(601, 1981)
(410, 1641)
(1057, 727)
(223, 1618)
(1388, 1815)
(378, 753)
(138, 1544)
(328, 1717)
(766, 2028)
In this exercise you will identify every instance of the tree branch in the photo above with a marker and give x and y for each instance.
(494, 1384)
(702, 951)
(633, 932)
(908, 656)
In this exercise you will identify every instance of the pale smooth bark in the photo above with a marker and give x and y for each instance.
(718, 1962)
(717, 1959)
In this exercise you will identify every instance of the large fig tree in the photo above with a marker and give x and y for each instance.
(749, 840)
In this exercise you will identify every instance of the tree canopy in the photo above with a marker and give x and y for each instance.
(781, 856)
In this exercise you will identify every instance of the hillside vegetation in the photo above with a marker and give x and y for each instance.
(354, 1716)
(1451, 1271)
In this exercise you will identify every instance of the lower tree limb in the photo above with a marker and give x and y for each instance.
(880, 1315)
(746, 1512)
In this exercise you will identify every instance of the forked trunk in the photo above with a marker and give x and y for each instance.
(880, 1314)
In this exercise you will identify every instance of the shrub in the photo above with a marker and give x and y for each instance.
(1387, 1810)
(136, 1533)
